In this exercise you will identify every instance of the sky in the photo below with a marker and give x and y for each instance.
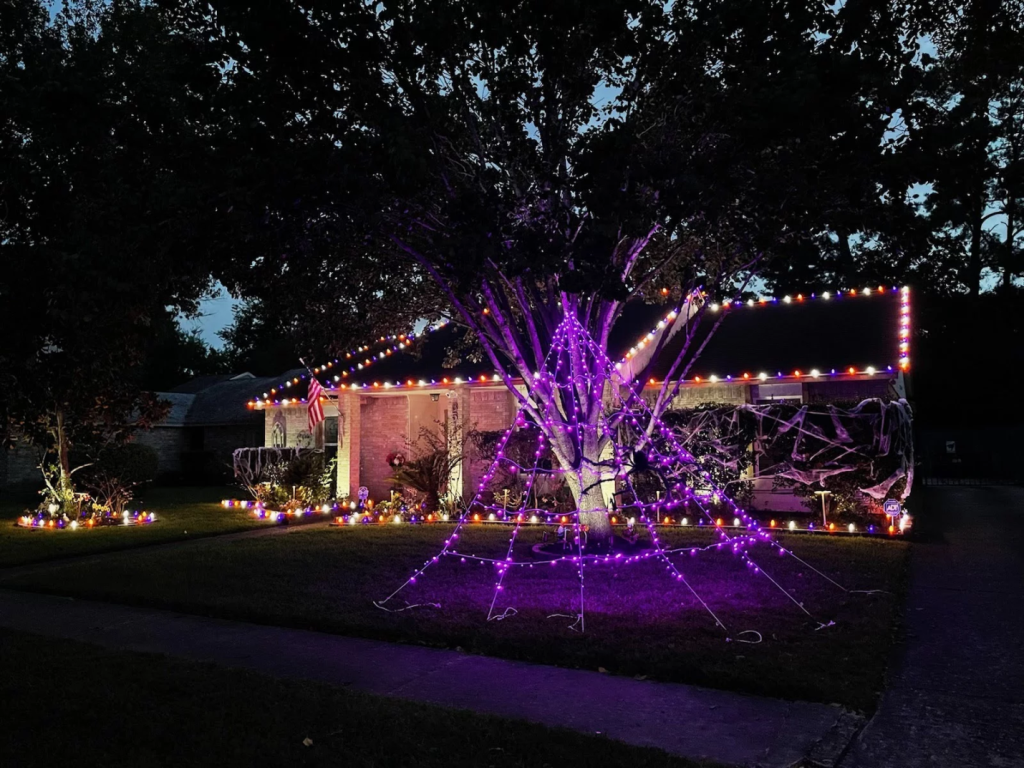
(215, 313)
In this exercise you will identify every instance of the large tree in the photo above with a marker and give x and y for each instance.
(969, 125)
(102, 183)
(512, 163)
(262, 340)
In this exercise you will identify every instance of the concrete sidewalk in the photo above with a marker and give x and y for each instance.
(956, 696)
(693, 722)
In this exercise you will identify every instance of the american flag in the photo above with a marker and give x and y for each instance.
(314, 410)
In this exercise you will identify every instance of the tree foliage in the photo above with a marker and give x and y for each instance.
(261, 340)
(355, 167)
(970, 133)
(173, 355)
(513, 163)
(104, 117)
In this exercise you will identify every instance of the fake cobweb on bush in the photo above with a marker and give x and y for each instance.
(618, 452)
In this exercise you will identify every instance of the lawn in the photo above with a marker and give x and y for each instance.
(638, 620)
(101, 707)
(182, 513)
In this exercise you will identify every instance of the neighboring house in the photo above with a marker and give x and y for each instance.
(813, 349)
(207, 421)
(19, 465)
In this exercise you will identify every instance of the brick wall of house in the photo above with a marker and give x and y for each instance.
(424, 414)
(384, 427)
(690, 396)
(693, 395)
(838, 391)
(19, 466)
(169, 444)
(489, 410)
(296, 421)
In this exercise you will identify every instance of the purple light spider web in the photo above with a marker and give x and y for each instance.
(628, 434)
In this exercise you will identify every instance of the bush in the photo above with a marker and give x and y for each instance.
(428, 475)
(286, 477)
(117, 471)
(309, 477)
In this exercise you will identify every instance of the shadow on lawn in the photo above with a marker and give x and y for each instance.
(639, 621)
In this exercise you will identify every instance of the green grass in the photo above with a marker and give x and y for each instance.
(638, 620)
(182, 513)
(77, 704)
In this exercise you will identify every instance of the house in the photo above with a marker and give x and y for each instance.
(818, 348)
(208, 419)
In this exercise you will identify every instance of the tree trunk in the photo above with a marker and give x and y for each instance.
(65, 489)
(588, 491)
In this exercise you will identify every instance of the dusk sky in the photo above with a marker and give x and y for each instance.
(215, 314)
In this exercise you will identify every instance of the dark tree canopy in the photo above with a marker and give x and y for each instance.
(103, 135)
(261, 340)
(355, 167)
(592, 149)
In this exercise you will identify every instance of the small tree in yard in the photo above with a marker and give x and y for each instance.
(100, 190)
(60, 417)
(517, 163)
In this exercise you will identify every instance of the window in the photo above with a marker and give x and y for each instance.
(765, 394)
(331, 430)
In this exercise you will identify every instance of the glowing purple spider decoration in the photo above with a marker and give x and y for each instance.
(629, 436)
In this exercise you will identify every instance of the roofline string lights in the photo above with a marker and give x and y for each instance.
(387, 385)
(903, 362)
(680, 469)
(404, 341)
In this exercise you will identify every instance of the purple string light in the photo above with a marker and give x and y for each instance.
(570, 402)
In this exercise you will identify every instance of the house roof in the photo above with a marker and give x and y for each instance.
(217, 403)
(832, 334)
(828, 334)
(180, 403)
(225, 403)
(199, 383)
